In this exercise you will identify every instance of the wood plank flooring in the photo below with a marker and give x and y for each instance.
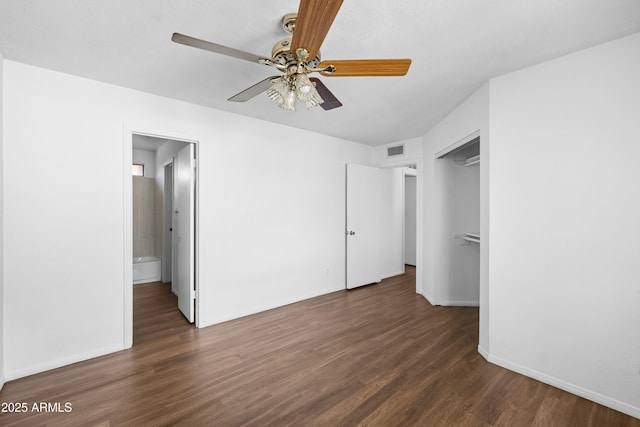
(378, 355)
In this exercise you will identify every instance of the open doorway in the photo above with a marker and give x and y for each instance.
(410, 216)
(160, 221)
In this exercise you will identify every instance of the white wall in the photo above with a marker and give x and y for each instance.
(146, 158)
(392, 220)
(565, 204)
(410, 232)
(283, 218)
(412, 153)
(2, 306)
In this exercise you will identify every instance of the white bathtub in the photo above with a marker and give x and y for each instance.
(146, 269)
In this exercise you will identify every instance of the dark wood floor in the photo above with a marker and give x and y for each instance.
(378, 355)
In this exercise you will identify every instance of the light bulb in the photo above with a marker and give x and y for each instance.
(306, 91)
(279, 93)
(289, 100)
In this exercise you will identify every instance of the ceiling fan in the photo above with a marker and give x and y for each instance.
(298, 55)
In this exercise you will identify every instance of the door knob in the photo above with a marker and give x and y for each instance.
(351, 233)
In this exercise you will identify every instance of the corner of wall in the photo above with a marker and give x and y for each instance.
(483, 352)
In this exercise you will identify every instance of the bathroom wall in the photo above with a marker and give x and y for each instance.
(144, 218)
(147, 207)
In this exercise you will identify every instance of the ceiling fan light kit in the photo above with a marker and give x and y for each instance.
(298, 56)
(286, 90)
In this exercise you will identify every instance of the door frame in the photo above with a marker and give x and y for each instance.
(128, 132)
(439, 290)
(413, 166)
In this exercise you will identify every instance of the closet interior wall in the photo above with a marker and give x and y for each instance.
(461, 224)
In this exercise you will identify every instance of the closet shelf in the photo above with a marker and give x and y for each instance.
(472, 237)
(472, 161)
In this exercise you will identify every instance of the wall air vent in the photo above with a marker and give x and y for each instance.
(397, 150)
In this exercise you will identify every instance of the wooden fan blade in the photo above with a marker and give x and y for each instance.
(367, 67)
(213, 47)
(330, 101)
(254, 90)
(312, 24)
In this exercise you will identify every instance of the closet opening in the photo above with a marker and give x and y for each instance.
(458, 181)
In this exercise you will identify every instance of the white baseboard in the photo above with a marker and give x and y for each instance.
(387, 275)
(460, 303)
(429, 298)
(484, 353)
(564, 385)
(1, 383)
(25, 372)
(432, 301)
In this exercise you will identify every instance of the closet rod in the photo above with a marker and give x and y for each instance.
(472, 161)
(472, 237)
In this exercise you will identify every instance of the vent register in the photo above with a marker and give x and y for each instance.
(397, 150)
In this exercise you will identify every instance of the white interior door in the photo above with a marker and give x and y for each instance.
(184, 230)
(363, 219)
(167, 226)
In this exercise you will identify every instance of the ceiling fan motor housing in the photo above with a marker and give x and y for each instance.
(281, 54)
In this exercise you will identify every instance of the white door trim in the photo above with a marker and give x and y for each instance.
(127, 158)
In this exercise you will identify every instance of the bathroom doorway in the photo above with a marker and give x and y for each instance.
(163, 221)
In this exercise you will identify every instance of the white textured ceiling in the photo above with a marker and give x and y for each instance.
(455, 47)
